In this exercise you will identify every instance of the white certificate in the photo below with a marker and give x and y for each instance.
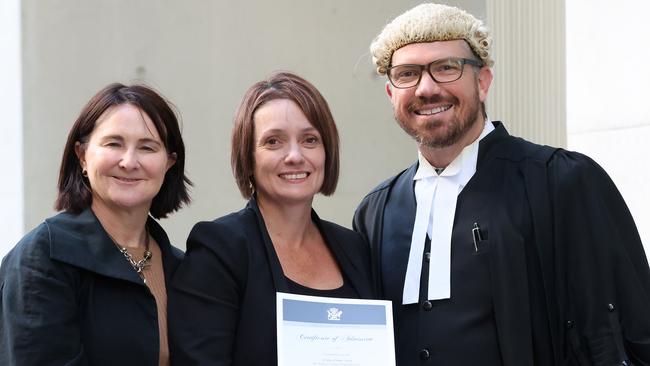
(323, 331)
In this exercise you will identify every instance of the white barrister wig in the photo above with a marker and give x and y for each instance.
(429, 23)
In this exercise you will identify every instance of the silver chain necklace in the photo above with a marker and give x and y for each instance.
(141, 264)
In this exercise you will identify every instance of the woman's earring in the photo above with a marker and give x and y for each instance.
(84, 173)
(251, 186)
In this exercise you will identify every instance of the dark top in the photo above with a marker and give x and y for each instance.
(565, 270)
(345, 291)
(222, 300)
(69, 297)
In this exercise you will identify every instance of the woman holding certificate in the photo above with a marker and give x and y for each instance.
(223, 299)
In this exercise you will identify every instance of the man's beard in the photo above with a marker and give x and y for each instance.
(456, 129)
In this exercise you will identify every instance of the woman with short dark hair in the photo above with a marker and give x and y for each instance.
(285, 150)
(88, 286)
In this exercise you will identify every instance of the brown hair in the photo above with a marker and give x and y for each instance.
(75, 194)
(282, 85)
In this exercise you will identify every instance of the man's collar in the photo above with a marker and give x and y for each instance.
(465, 161)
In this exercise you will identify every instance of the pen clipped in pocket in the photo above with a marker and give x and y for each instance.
(479, 238)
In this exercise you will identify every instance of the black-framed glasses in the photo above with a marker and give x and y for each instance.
(441, 71)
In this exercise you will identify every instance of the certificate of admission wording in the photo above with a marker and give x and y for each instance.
(324, 331)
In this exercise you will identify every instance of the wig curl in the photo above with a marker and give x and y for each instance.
(430, 23)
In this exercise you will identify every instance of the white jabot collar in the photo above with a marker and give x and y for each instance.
(436, 196)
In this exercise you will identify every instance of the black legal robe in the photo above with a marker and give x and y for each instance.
(561, 269)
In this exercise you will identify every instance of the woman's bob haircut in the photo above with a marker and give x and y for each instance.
(282, 85)
(75, 193)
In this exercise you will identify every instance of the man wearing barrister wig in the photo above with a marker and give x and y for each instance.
(494, 250)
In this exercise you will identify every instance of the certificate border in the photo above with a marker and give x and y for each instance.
(386, 304)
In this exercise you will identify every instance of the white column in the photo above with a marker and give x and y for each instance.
(11, 148)
(529, 89)
(607, 75)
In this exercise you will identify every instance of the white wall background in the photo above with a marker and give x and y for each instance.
(11, 147)
(608, 95)
(203, 55)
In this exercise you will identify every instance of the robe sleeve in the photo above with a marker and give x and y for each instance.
(39, 313)
(368, 222)
(361, 219)
(204, 299)
(607, 273)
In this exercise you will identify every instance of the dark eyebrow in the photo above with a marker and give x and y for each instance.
(275, 131)
(150, 141)
(121, 139)
(113, 137)
(272, 131)
(310, 129)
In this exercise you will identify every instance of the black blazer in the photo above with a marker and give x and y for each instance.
(69, 297)
(222, 300)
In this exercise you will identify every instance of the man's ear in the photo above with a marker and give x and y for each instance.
(389, 89)
(484, 81)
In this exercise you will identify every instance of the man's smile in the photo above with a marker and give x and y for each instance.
(432, 111)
